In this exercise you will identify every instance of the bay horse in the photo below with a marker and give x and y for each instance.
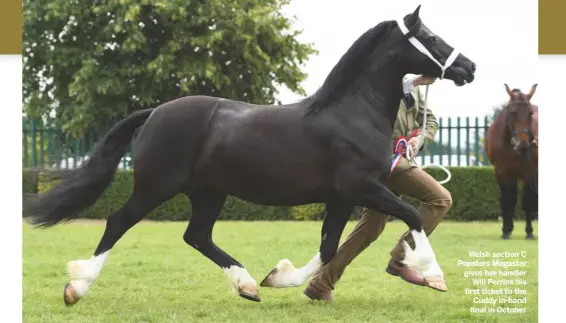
(512, 148)
(332, 147)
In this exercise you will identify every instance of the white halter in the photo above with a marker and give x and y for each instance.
(421, 48)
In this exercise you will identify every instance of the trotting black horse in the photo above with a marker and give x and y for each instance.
(333, 147)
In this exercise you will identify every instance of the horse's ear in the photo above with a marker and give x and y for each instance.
(532, 92)
(415, 14)
(508, 90)
(414, 17)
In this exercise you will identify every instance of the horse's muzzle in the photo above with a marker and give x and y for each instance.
(520, 146)
(462, 74)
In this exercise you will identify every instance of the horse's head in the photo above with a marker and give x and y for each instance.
(383, 55)
(519, 116)
(428, 54)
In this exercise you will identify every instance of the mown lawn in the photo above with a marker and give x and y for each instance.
(152, 276)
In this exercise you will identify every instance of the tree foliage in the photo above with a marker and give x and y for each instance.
(96, 61)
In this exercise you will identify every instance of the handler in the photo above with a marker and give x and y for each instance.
(407, 179)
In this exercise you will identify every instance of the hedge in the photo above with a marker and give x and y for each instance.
(29, 182)
(475, 196)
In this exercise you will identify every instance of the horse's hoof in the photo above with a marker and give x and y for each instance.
(505, 236)
(69, 296)
(439, 286)
(250, 297)
(530, 237)
(268, 280)
(436, 283)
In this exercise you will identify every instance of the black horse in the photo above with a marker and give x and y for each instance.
(333, 147)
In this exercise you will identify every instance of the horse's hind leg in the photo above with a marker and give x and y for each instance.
(507, 201)
(286, 275)
(206, 207)
(529, 204)
(144, 198)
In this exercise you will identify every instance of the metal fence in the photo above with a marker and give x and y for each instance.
(459, 142)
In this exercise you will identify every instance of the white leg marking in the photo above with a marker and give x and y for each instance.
(422, 259)
(240, 280)
(286, 275)
(84, 272)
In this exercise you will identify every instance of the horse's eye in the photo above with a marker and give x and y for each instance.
(432, 39)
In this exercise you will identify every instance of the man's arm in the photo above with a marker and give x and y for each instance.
(431, 124)
(409, 84)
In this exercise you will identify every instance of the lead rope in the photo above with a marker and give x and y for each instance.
(411, 155)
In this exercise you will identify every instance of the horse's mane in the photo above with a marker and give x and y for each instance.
(348, 67)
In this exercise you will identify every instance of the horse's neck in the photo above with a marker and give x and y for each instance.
(383, 95)
(499, 138)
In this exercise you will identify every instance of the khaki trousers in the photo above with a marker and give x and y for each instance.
(415, 183)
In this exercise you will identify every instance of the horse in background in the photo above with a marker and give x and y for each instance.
(512, 149)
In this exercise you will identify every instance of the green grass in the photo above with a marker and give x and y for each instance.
(152, 276)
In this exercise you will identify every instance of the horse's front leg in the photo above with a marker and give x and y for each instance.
(286, 275)
(422, 259)
(508, 201)
(529, 204)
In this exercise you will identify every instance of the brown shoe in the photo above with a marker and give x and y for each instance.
(315, 294)
(396, 268)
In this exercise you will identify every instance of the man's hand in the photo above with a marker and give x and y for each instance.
(424, 80)
(414, 143)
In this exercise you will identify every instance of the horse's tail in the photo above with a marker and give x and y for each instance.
(80, 188)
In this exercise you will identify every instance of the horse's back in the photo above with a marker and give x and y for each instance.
(247, 145)
(174, 131)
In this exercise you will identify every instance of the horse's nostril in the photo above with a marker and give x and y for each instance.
(473, 67)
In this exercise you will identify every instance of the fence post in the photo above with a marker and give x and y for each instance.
(477, 142)
(458, 148)
(25, 141)
(76, 154)
(41, 141)
(450, 141)
(468, 141)
(59, 145)
(83, 146)
(33, 144)
(440, 141)
(49, 127)
(485, 127)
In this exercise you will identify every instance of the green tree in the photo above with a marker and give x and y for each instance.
(94, 61)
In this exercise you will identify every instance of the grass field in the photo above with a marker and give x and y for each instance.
(152, 276)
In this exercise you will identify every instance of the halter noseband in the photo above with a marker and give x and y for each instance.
(421, 48)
